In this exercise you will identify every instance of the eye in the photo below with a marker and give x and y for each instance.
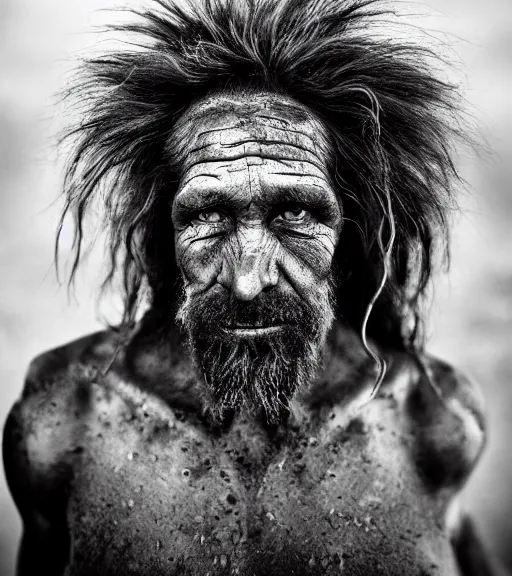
(210, 217)
(295, 214)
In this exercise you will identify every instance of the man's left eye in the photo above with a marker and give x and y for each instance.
(296, 214)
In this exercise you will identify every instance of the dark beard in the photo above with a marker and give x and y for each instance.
(255, 373)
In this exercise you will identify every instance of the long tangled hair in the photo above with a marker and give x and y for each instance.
(390, 119)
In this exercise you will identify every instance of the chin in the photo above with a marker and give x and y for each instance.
(255, 374)
(254, 356)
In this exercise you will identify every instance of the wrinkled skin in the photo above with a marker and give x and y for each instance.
(116, 467)
(256, 224)
(255, 209)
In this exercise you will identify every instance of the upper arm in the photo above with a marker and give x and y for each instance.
(447, 415)
(37, 477)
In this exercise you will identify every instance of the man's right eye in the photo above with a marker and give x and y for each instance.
(210, 217)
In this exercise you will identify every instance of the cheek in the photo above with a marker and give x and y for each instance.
(307, 263)
(200, 262)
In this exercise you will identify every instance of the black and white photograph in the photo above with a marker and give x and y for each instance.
(256, 287)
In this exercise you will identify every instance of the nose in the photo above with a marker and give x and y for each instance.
(250, 267)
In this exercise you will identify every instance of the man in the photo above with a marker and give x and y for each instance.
(276, 176)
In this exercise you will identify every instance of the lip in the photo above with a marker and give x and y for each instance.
(253, 330)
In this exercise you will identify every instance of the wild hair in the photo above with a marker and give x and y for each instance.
(390, 119)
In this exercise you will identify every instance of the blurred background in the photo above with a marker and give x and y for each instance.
(471, 323)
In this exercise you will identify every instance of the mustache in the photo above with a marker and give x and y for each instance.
(219, 308)
(258, 372)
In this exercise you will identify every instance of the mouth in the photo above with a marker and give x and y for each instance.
(252, 330)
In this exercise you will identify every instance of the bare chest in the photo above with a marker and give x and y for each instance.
(157, 496)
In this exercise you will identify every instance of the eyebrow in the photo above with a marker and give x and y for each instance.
(314, 196)
(192, 200)
(308, 194)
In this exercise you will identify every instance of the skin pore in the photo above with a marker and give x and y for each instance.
(256, 224)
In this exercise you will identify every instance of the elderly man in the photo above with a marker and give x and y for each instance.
(276, 176)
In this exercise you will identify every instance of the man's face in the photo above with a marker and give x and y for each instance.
(256, 223)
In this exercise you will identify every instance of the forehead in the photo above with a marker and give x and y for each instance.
(222, 137)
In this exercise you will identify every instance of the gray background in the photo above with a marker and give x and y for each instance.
(472, 314)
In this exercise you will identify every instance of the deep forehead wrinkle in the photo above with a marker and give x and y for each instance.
(277, 169)
(235, 134)
(288, 129)
(222, 121)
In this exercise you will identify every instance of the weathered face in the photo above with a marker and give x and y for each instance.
(256, 224)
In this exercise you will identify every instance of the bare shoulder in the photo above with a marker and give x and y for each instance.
(459, 389)
(445, 412)
(91, 351)
(39, 431)
(57, 382)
